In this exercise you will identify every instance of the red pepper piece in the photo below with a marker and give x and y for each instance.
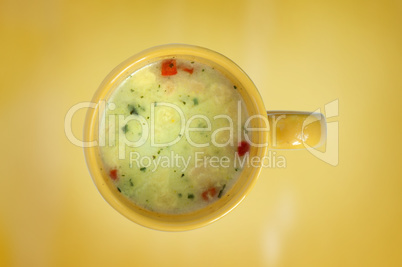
(169, 67)
(243, 148)
(209, 194)
(113, 174)
(188, 70)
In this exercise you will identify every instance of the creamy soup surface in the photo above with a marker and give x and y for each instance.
(174, 131)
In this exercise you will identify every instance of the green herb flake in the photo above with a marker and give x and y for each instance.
(153, 156)
(118, 189)
(234, 86)
(132, 110)
(131, 183)
(195, 100)
(179, 195)
(142, 96)
(124, 128)
(132, 90)
(221, 191)
(182, 175)
(143, 169)
(184, 102)
(190, 196)
(203, 70)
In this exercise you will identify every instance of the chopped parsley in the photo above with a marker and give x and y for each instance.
(132, 110)
(190, 196)
(195, 100)
(124, 128)
(221, 191)
(143, 169)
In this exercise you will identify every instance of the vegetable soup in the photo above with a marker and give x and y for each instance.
(174, 131)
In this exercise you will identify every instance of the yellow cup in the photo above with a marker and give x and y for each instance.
(285, 130)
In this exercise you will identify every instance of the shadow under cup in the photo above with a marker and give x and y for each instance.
(248, 177)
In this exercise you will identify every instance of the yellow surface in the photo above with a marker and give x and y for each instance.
(302, 55)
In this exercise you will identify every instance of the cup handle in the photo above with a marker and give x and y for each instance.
(296, 129)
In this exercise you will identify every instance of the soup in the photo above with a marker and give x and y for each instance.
(174, 136)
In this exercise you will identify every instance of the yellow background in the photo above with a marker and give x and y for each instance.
(300, 54)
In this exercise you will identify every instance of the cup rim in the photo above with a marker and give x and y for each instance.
(92, 157)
